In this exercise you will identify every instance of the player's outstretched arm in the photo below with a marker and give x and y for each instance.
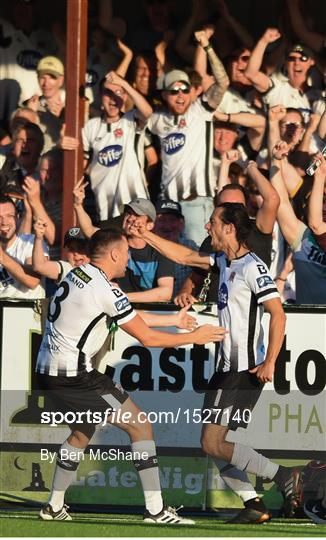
(182, 319)
(154, 338)
(176, 252)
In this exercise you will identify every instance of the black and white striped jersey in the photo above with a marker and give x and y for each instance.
(245, 283)
(186, 151)
(79, 316)
(116, 153)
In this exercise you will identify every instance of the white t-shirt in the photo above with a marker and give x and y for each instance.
(21, 250)
(233, 102)
(116, 167)
(186, 151)
(80, 314)
(283, 93)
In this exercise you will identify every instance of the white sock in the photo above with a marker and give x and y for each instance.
(247, 459)
(236, 480)
(149, 475)
(68, 459)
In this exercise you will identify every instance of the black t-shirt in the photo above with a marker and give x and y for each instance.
(259, 242)
(145, 267)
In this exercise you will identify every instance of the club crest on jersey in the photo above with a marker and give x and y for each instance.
(182, 123)
(118, 132)
(223, 296)
(110, 155)
(121, 304)
(173, 143)
(232, 276)
(263, 281)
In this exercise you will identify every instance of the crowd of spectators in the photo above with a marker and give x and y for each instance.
(187, 106)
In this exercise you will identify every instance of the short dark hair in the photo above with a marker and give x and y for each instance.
(237, 214)
(102, 239)
(4, 199)
(297, 111)
(239, 187)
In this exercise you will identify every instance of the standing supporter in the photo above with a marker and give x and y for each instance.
(308, 258)
(185, 132)
(114, 145)
(50, 105)
(170, 224)
(17, 280)
(246, 290)
(86, 304)
(294, 92)
(149, 276)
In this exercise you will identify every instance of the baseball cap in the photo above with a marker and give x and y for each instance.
(167, 206)
(74, 233)
(302, 49)
(51, 65)
(142, 207)
(176, 75)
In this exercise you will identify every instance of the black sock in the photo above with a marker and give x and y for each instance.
(255, 504)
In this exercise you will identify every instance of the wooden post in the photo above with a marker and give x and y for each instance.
(75, 70)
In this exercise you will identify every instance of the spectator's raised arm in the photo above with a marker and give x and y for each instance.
(240, 31)
(40, 262)
(216, 91)
(290, 225)
(143, 107)
(266, 215)
(83, 219)
(315, 207)
(260, 80)
(32, 190)
(309, 37)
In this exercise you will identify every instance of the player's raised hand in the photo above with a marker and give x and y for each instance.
(79, 191)
(113, 78)
(184, 299)
(186, 321)
(208, 333)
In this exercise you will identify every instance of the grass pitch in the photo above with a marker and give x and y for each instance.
(25, 523)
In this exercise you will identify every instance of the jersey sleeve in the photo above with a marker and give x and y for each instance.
(260, 282)
(118, 306)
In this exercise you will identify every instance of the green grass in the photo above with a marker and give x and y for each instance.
(24, 523)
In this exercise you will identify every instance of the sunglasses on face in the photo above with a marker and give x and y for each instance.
(176, 91)
(244, 58)
(302, 58)
(291, 124)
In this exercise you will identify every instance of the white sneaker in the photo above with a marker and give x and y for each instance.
(168, 516)
(48, 514)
